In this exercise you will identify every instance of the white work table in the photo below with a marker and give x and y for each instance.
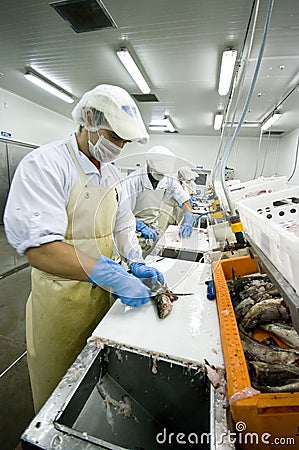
(189, 332)
(197, 242)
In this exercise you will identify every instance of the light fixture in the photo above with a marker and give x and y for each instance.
(226, 72)
(130, 65)
(270, 120)
(218, 121)
(244, 124)
(165, 124)
(39, 80)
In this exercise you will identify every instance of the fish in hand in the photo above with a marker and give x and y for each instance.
(162, 297)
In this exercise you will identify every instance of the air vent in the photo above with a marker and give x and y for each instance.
(84, 15)
(273, 133)
(145, 97)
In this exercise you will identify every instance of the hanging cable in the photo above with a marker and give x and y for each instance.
(265, 154)
(249, 95)
(223, 138)
(259, 149)
(296, 160)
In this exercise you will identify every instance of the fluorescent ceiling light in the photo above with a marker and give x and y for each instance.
(218, 121)
(270, 121)
(226, 72)
(133, 70)
(48, 85)
(162, 125)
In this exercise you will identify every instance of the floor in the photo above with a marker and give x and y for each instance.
(16, 410)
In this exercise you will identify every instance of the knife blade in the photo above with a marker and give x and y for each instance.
(157, 288)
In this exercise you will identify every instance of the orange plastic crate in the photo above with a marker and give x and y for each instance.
(268, 419)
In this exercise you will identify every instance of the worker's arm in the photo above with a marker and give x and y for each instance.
(187, 206)
(59, 258)
(62, 259)
(186, 227)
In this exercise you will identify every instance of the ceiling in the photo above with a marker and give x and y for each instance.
(179, 46)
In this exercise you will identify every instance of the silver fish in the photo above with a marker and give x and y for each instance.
(286, 333)
(242, 308)
(293, 386)
(255, 350)
(266, 311)
(163, 303)
(162, 297)
(272, 374)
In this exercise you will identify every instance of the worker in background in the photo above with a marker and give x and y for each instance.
(63, 212)
(186, 178)
(148, 187)
(172, 209)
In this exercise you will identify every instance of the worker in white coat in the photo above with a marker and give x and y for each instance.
(63, 211)
(186, 177)
(148, 187)
(172, 210)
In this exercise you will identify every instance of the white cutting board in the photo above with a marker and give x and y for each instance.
(190, 332)
(197, 242)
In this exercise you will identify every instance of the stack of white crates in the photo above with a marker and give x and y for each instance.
(272, 222)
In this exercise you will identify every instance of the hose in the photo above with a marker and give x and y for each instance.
(224, 139)
(296, 159)
(249, 95)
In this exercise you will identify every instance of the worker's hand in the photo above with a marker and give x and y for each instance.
(186, 228)
(193, 201)
(130, 290)
(146, 232)
(140, 270)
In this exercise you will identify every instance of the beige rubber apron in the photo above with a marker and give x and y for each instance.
(167, 214)
(147, 209)
(60, 313)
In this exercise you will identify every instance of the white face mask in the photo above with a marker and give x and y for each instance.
(104, 150)
(157, 175)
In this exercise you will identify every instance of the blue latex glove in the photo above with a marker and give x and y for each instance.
(130, 290)
(193, 201)
(140, 270)
(146, 232)
(186, 228)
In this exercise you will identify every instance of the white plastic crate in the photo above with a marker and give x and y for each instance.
(251, 188)
(268, 221)
(259, 186)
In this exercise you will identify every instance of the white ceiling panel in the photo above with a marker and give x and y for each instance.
(178, 44)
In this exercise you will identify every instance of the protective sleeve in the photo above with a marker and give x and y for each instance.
(130, 188)
(35, 212)
(125, 238)
(176, 191)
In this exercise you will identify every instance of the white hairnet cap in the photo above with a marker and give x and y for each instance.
(161, 159)
(185, 173)
(119, 109)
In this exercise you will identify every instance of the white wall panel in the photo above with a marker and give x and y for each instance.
(203, 150)
(287, 155)
(31, 123)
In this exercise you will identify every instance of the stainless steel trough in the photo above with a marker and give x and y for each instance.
(114, 397)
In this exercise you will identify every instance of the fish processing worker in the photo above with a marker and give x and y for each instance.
(173, 211)
(186, 178)
(63, 212)
(148, 187)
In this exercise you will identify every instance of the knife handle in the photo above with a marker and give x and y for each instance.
(211, 293)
